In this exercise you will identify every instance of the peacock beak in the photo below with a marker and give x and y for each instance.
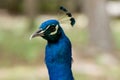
(37, 34)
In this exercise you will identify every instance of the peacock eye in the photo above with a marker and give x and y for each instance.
(52, 28)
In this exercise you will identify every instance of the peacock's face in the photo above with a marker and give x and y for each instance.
(49, 30)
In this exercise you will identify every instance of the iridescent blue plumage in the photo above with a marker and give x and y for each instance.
(58, 54)
(49, 22)
(58, 57)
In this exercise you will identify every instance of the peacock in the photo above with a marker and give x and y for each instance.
(58, 53)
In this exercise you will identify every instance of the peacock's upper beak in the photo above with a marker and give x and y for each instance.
(37, 33)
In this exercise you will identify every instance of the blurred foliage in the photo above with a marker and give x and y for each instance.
(115, 23)
(13, 6)
(16, 48)
(47, 6)
(43, 6)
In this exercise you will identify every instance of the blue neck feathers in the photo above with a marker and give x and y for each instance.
(58, 59)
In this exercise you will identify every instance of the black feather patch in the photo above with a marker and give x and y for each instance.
(69, 14)
(72, 21)
(63, 9)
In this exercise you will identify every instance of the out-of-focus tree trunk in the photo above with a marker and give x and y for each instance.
(99, 30)
(30, 10)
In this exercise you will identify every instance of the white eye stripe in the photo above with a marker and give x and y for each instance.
(47, 27)
(41, 32)
(52, 33)
(44, 30)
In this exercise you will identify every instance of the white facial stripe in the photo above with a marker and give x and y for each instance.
(47, 27)
(44, 30)
(41, 32)
(54, 31)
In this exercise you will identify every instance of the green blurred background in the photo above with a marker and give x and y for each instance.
(95, 38)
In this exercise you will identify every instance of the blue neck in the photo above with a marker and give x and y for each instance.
(58, 59)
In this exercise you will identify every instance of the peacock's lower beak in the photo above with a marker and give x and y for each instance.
(37, 34)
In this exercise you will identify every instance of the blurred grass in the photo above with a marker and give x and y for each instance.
(19, 47)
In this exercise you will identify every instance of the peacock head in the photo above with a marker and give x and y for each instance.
(49, 30)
